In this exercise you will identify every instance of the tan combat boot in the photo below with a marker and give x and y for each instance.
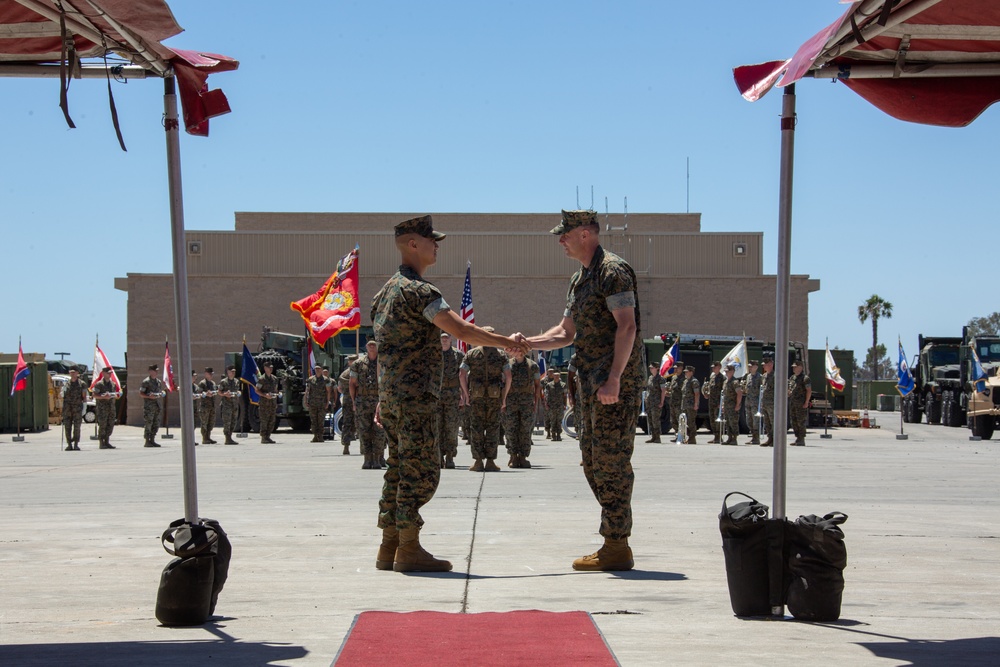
(387, 550)
(615, 555)
(477, 466)
(491, 466)
(411, 557)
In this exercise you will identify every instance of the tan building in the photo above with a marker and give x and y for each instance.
(239, 281)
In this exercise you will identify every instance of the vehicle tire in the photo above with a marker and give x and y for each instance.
(338, 427)
(946, 409)
(932, 408)
(644, 424)
(299, 424)
(253, 416)
(983, 426)
(569, 423)
(89, 417)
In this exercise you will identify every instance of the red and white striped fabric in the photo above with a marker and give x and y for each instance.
(935, 62)
(100, 363)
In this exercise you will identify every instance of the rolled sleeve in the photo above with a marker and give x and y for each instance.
(439, 305)
(621, 300)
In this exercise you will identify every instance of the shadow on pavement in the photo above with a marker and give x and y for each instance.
(638, 575)
(150, 654)
(927, 652)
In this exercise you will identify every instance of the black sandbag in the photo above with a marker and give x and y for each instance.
(746, 543)
(817, 557)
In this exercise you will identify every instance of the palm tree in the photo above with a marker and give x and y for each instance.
(874, 308)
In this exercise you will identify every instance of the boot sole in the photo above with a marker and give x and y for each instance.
(383, 564)
(413, 567)
(618, 567)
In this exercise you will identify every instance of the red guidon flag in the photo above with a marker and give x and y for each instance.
(169, 379)
(334, 307)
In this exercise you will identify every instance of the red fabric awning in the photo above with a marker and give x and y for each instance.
(935, 62)
(31, 31)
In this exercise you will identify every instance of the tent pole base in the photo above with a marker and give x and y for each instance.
(902, 436)
(17, 438)
(826, 436)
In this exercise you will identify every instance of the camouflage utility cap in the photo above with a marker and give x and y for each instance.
(423, 226)
(573, 219)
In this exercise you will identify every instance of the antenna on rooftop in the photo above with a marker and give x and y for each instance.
(578, 197)
(687, 191)
(62, 355)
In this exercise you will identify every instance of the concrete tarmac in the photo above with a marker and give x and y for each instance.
(80, 557)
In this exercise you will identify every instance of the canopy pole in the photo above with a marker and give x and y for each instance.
(780, 425)
(171, 127)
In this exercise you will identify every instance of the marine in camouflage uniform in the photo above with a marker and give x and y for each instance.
(348, 430)
(690, 398)
(317, 397)
(732, 398)
(654, 403)
(364, 395)
(230, 391)
(74, 398)
(206, 407)
(554, 392)
(675, 388)
(407, 314)
(799, 393)
(267, 407)
(449, 402)
(104, 395)
(751, 400)
(487, 377)
(714, 385)
(150, 390)
(767, 407)
(519, 414)
(602, 301)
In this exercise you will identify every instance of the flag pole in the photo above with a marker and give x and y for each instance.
(97, 343)
(17, 402)
(900, 435)
(166, 398)
(829, 390)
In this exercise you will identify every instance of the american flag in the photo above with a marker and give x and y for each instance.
(467, 312)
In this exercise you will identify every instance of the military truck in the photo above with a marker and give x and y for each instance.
(285, 352)
(965, 406)
(701, 351)
(936, 371)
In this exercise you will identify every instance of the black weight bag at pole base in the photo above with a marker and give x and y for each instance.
(816, 558)
(191, 582)
(752, 545)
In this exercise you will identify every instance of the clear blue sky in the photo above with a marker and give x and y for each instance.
(497, 107)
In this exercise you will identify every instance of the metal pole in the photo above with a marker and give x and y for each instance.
(780, 425)
(781, 299)
(172, 128)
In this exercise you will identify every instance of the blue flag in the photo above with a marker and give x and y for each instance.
(978, 373)
(541, 364)
(904, 380)
(249, 374)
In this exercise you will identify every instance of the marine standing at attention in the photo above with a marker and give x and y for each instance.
(151, 389)
(74, 396)
(408, 314)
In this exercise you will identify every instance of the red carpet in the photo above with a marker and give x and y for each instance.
(438, 639)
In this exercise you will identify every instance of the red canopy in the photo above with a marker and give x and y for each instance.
(55, 31)
(935, 62)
